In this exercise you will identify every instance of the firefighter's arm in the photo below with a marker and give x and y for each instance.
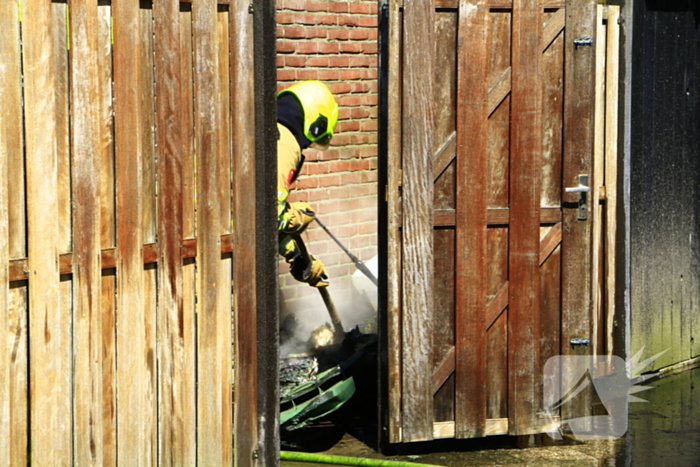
(304, 268)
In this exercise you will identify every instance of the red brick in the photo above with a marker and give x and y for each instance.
(328, 47)
(328, 180)
(327, 20)
(291, 32)
(359, 113)
(359, 164)
(351, 47)
(316, 168)
(348, 126)
(338, 34)
(340, 88)
(319, 61)
(316, 33)
(328, 75)
(286, 75)
(291, 5)
(338, 7)
(307, 182)
(341, 166)
(312, 5)
(370, 47)
(307, 47)
(369, 125)
(286, 18)
(286, 47)
(339, 61)
(367, 21)
(348, 75)
(361, 8)
(294, 60)
(304, 74)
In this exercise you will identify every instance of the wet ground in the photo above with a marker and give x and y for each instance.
(665, 431)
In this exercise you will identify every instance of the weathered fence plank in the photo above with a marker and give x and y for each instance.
(394, 248)
(524, 279)
(12, 138)
(107, 216)
(10, 222)
(135, 444)
(87, 268)
(470, 306)
(18, 346)
(417, 254)
(579, 88)
(213, 326)
(244, 268)
(176, 388)
(106, 127)
(60, 73)
(49, 322)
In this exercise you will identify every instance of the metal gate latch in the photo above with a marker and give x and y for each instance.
(583, 41)
(582, 189)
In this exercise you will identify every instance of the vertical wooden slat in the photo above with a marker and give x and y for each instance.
(524, 285)
(49, 323)
(472, 132)
(244, 267)
(135, 446)
(224, 135)
(144, 56)
(186, 104)
(61, 81)
(107, 216)
(11, 220)
(109, 370)
(11, 101)
(213, 372)
(176, 390)
(18, 422)
(87, 270)
(417, 254)
(611, 104)
(596, 209)
(106, 127)
(393, 287)
(579, 88)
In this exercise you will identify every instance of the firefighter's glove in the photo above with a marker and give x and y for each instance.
(312, 273)
(300, 216)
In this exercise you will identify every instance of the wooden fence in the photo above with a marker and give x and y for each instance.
(127, 143)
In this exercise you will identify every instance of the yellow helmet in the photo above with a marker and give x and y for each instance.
(320, 110)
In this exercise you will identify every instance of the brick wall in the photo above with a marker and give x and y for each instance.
(335, 42)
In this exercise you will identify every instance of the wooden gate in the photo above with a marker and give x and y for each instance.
(121, 125)
(489, 261)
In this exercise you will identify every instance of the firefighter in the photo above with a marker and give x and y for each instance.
(306, 117)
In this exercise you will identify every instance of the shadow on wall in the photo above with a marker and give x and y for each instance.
(677, 6)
